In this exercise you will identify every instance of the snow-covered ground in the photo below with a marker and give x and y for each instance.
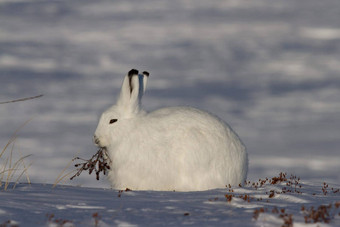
(269, 69)
(39, 205)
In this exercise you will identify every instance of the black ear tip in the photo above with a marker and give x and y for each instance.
(146, 73)
(133, 72)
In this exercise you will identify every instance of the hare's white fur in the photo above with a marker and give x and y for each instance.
(177, 148)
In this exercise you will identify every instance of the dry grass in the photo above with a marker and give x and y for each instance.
(8, 168)
(9, 165)
(63, 175)
(12, 167)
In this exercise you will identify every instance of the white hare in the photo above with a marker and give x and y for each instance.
(177, 148)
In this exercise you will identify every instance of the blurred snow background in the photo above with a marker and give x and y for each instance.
(268, 68)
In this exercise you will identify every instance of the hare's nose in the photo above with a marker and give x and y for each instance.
(96, 140)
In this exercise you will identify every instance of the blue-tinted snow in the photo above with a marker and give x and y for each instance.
(269, 69)
(33, 205)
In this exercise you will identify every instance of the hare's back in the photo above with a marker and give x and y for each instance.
(189, 118)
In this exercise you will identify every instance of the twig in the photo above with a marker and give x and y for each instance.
(100, 162)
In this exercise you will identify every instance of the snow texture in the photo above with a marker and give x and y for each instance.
(40, 205)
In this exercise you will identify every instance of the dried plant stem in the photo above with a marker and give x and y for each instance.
(58, 180)
(9, 168)
(10, 141)
(100, 162)
(22, 99)
(14, 136)
(25, 169)
(12, 170)
(3, 172)
(61, 176)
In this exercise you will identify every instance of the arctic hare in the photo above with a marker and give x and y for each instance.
(176, 148)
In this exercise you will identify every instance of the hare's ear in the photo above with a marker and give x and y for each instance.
(125, 93)
(132, 90)
(138, 85)
(145, 79)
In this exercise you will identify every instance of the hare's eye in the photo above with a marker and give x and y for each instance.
(113, 121)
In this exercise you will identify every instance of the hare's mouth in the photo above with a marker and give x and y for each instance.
(101, 147)
(98, 142)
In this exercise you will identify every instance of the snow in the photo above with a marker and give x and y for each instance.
(32, 205)
(269, 70)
